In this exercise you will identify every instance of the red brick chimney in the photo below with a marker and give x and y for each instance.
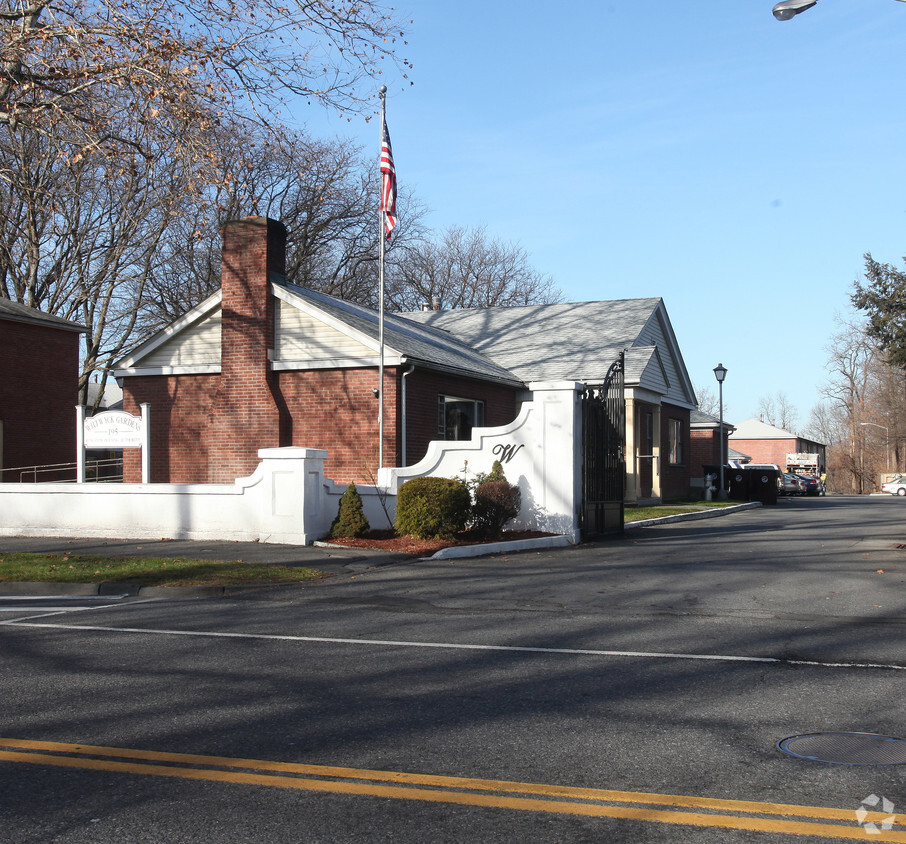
(246, 412)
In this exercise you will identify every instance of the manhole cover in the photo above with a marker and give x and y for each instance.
(846, 748)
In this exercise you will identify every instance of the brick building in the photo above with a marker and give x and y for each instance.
(767, 444)
(39, 358)
(263, 363)
(705, 445)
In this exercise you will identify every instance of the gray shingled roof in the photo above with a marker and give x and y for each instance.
(572, 341)
(22, 313)
(421, 343)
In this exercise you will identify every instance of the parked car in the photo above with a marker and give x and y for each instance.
(812, 484)
(791, 485)
(895, 487)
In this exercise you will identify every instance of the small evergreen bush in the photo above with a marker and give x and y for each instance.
(496, 473)
(350, 520)
(432, 507)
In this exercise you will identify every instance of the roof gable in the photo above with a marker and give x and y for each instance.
(190, 344)
(645, 368)
(658, 332)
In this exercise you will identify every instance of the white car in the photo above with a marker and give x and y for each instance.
(895, 487)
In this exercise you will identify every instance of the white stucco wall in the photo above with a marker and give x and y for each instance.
(288, 500)
(539, 452)
(283, 501)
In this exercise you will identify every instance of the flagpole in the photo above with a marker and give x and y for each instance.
(382, 237)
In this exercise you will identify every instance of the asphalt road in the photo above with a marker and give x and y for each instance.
(630, 690)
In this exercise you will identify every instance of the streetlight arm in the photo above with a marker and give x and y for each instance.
(788, 9)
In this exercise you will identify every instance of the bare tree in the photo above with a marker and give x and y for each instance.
(325, 192)
(78, 239)
(466, 269)
(708, 400)
(779, 411)
(128, 75)
(853, 358)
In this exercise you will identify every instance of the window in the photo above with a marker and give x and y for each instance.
(457, 416)
(675, 441)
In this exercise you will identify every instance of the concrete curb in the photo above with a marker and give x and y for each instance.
(692, 517)
(460, 551)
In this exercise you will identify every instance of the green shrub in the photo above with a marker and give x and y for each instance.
(350, 520)
(496, 473)
(496, 502)
(432, 507)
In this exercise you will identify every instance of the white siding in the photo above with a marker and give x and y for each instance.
(197, 344)
(653, 377)
(302, 337)
(653, 334)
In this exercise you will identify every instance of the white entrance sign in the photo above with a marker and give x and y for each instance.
(114, 429)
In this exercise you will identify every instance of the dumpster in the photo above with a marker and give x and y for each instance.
(763, 485)
(748, 484)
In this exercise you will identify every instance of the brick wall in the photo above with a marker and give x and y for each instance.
(675, 478)
(424, 386)
(766, 451)
(38, 395)
(181, 409)
(704, 451)
(336, 409)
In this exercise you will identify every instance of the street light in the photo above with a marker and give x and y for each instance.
(887, 435)
(790, 8)
(720, 372)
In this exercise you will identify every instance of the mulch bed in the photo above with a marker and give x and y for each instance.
(387, 540)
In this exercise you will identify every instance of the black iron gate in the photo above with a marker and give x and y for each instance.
(603, 453)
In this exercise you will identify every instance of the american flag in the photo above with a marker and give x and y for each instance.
(388, 184)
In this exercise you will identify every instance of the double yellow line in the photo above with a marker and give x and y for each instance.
(531, 797)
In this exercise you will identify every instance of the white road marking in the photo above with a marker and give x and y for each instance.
(448, 645)
(49, 612)
(63, 598)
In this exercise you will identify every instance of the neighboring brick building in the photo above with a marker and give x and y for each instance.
(265, 363)
(766, 444)
(705, 445)
(39, 362)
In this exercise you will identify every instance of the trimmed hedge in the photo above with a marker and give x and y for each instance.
(432, 507)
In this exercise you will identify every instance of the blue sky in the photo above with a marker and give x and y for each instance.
(737, 166)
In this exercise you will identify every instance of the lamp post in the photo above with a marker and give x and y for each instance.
(790, 8)
(887, 436)
(720, 372)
